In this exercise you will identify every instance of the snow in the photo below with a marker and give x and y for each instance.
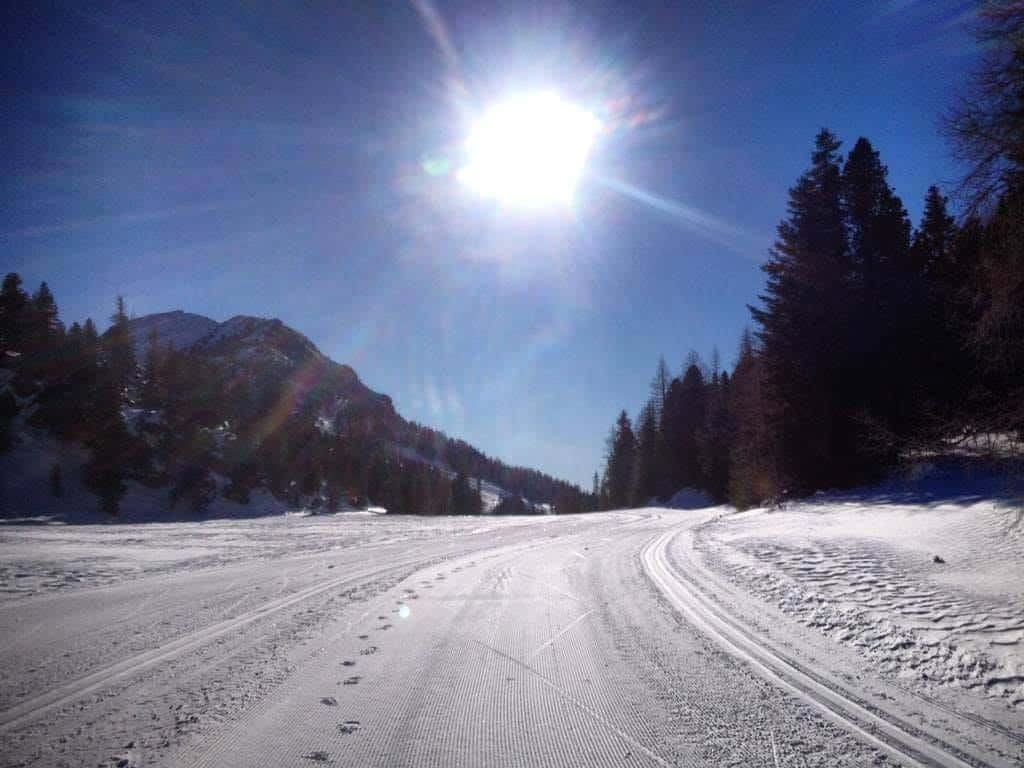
(922, 575)
(473, 641)
(372, 641)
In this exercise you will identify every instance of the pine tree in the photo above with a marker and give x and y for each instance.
(880, 335)
(46, 333)
(934, 239)
(15, 320)
(802, 326)
(152, 390)
(620, 458)
(120, 347)
(646, 466)
(659, 388)
(465, 499)
(945, 259)
(752, 475)
(685, 412)
(713, 438)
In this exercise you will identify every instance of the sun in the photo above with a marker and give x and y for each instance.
(529, 150)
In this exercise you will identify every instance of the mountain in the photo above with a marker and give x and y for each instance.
(176, 329)
(271, 373)
(266, 352)
(234, 418)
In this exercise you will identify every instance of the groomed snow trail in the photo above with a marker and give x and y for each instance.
(598, 640)
(689, 587)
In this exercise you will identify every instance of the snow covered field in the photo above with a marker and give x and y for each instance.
(820, 634)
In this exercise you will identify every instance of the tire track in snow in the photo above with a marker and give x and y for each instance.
(881, 728)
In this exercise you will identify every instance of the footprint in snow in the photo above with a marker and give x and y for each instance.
(368, 650)
(317, 756)
(330, 701)
(363, 637)
(348, 727)
(354, 680)
(348, 663)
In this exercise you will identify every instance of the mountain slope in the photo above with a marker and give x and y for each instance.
(176, 329)
(275, 378)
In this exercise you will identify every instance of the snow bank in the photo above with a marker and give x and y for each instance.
(923, 575)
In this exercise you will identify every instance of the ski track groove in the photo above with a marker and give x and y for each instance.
(870, 723)
(76, 689)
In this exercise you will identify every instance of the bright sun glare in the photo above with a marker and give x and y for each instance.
(529, 150)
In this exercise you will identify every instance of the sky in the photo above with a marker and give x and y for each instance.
(300, 161)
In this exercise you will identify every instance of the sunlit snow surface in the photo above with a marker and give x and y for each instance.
(862, 569)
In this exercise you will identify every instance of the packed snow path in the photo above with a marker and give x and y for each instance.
(365, 641)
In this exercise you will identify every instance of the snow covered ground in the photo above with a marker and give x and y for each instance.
(821, 634)
(923, 576)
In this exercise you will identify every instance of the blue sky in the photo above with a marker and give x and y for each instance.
(231, 158)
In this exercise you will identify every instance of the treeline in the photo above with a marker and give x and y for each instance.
(177, 419)
(463, 458)
(189, 418)
(871, 337)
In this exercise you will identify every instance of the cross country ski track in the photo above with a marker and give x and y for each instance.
(597, 640)
(687, 587)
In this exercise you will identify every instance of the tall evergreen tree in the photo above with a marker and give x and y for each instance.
(752, 476)
(685, 410)
(802, 326)
(647, 464)
(15, 315)
(886, 297)
(120, 347)
(934, 239)
(713, 437)
(659, 388)
(152, 374)
(619, 467)
(945, 259)
(47, 332)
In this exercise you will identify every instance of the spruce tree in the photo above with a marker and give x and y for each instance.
(46, 333)
(934, 239)
(621, 455)
(152, 390)
(802, 326)
(120, 347)
(645, 470)
(881, 332)
(15, 315)
(713, 438)
(752, 476)
(685, 411)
